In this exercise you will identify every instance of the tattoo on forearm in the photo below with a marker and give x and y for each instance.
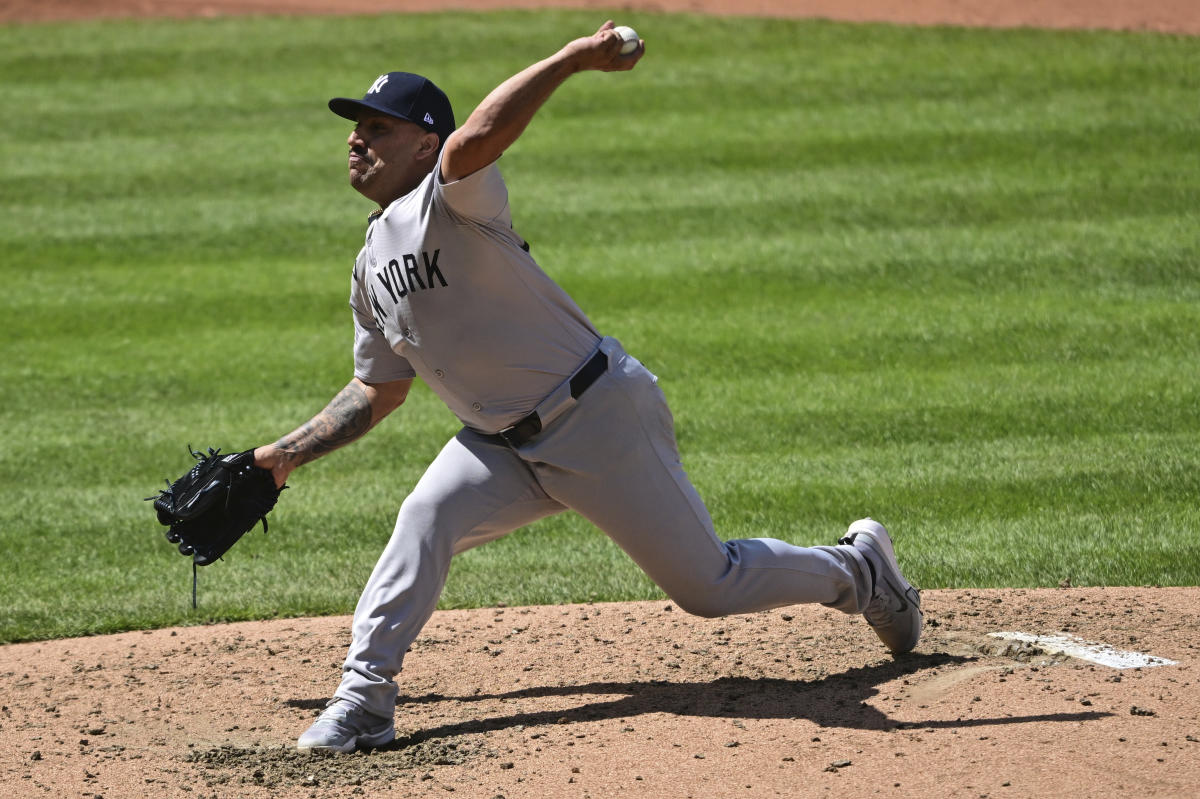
(346, 418)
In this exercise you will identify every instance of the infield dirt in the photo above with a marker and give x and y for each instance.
(1177, 16)
(636, 699)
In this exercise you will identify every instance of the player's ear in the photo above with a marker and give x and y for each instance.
(428, 146)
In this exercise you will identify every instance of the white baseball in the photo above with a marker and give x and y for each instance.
(629, 37)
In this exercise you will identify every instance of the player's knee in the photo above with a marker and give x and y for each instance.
(417, 513)
(708, 606)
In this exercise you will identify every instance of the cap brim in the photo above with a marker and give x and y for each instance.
(350, 109)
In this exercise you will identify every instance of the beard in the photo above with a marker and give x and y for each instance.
(364, 173)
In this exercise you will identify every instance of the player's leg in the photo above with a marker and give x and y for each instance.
(614, 459)
(475, 490)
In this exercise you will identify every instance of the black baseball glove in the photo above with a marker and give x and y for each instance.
(218, 501)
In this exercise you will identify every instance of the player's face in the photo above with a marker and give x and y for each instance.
(386, 156)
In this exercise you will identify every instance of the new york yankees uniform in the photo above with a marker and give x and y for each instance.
(555, 417)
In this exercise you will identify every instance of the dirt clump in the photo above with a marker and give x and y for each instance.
(283, 766)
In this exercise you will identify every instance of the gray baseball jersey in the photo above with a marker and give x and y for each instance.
(446, 290)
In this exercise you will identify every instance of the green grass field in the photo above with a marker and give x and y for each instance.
(946, 278)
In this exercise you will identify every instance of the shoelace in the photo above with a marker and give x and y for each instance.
(336, 710)
(337, 721)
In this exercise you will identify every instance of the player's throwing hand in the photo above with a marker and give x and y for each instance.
(602, 51)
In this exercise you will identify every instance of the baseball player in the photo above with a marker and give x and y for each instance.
(555, 415)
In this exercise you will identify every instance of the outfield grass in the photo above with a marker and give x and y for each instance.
(947, 278)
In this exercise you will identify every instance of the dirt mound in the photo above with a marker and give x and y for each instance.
(633, 700)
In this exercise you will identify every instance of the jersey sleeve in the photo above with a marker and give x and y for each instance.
(480, 196)
(374, 359)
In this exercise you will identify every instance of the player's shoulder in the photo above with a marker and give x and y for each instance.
(481, 196)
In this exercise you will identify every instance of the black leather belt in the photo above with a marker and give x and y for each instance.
(521, 432)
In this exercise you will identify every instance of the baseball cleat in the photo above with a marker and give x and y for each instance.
(344, 727)
(894, 611)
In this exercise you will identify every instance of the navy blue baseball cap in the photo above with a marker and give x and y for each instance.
(404, 95)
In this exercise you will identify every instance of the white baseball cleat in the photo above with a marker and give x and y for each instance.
(344, 727)
(895, 608)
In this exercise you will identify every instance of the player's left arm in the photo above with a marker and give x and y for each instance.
(504, 114)
(355, 410)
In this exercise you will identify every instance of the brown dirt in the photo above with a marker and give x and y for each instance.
(634, 699)
(1178, 16)
(630, 700)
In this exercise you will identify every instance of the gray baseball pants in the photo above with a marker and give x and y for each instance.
(611, 457)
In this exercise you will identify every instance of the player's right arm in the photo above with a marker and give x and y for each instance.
(503, 115)
(356, 409)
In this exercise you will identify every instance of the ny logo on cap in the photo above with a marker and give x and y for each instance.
(378, 84)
